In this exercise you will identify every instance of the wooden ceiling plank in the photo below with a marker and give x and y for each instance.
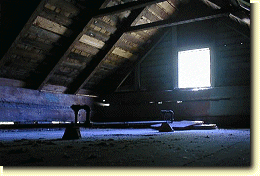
(73, 65)
(44, 34)
(28, 54)
(103, 25)
(36, 44)
(78, 57)
(133, 38)
(92, 41)
(37, 81)
(97, 35)
(56, 17)
(174, 22)
(157, 11)
(127, 6)
(126, 45)
(123, 53)
(86, 48)
(167, 7)
(63, 7)
(125, 72)
(51, 26)
(83, 78)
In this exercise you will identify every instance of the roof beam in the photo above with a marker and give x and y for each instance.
(127, 71)
(127, 6)
(237, 26)
(42, 80)
(175, 22)
(44, 71)
(150, 49)
(83, 78)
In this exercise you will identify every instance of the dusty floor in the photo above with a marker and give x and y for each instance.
(126, 147)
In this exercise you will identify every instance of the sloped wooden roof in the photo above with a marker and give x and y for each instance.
(86, 47)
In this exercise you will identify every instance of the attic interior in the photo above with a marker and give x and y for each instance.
(125, 63)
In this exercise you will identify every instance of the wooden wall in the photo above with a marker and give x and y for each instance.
(27, 106)
(155, 79)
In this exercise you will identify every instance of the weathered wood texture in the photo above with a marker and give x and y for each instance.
(87, 45)
(228, 102)
(230, 56)
(27, 106)
(222, 105)
(130, 48)
(73, 36)
(86, 74)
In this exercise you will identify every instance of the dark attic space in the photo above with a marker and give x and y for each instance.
(143, 83)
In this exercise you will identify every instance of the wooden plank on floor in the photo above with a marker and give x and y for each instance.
(180, 124)
(204, 126)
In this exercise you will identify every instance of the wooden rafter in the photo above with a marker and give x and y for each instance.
(237, 26)
(149, 49)
(234, 22)
(101, 12)
(47, 67)
(83, 78)
(124, 73)
(175, 22)
(127, 6)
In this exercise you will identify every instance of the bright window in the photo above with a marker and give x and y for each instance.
(194, 68)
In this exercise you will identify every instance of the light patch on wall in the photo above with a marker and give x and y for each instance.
(91, 41)
(194, 68)
(56, 122)
(59, 122)
(102, 104)
(91, 96)
(120, 52)
(6, 123)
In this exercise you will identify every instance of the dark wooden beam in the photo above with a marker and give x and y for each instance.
(143, 57)
(175, 22)
(127, 6)
(44, 71)
(114, 83)
(240, 11)
(83, 78)
(237, 26)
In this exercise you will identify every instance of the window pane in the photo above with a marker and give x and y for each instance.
(194, 68)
